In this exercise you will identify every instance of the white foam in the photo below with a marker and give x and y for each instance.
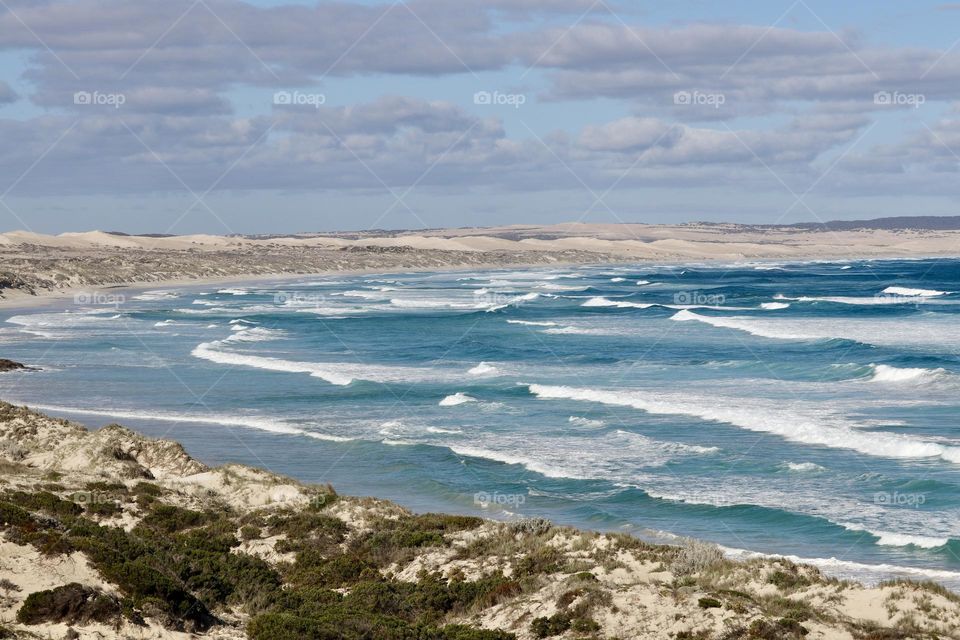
(164, 323)
(160, 294)
(333, 372)
(585, 422)
(865, 301)
(532, 323)
(906, 291)
(619, 304)
(483, 369)
(641, 283)
(773, 306)
(328, 372)
(869, 574)
(456, 399)
(896, 539)
(577, 331)
(803, 467)
(366, 295)
(234, 292)
(793, 426)
(514, 302)
(512, 458)
(443, 431)
(618, 279)
(931, 331)
(253, 422)
(549, 286)
(886, 373)
(253, 334)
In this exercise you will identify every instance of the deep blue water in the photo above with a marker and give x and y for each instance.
(804, 409)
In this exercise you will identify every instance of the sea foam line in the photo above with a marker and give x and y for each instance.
(251, 422)
(793, 427)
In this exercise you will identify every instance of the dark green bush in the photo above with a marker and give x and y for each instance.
(71, 603)
(169, 519)
(552, 626)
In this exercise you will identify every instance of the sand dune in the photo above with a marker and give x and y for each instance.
(39, 264)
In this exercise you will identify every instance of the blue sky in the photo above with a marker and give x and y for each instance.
(154, 116)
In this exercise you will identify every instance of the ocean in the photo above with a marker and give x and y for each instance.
(802, 409)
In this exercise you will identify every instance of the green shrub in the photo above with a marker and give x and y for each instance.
(708, 603)
(552, 626)
(169, 519)
(71, 604)
(787, 580)
(44, 502)
(585, 625)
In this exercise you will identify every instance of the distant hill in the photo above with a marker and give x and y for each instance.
(930, 223)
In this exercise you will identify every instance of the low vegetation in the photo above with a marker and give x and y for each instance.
(249, 554)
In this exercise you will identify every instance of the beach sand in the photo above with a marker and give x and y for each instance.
(40, 265)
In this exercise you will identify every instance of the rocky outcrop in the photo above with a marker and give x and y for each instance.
(34, 440)
(10, 365)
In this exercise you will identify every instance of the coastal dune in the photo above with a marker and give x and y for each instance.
(38, 264)
(234, 552)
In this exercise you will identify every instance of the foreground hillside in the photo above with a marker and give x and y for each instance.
(110, 534)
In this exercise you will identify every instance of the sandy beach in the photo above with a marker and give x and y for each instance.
(71, 263)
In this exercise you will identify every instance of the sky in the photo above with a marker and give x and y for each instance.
(279, 116)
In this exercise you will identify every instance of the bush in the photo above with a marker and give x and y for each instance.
(552, 626)
(44, 502)
(73, 603)
(533, 526)
(696, 556)
(169, 519)
(788, 580)
(708, 603)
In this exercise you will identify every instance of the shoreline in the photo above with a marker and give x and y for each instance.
(866, 574)
(14, 300)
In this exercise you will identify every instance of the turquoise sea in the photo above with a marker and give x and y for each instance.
(802, 409)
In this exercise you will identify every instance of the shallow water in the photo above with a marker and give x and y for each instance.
(803, 409)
